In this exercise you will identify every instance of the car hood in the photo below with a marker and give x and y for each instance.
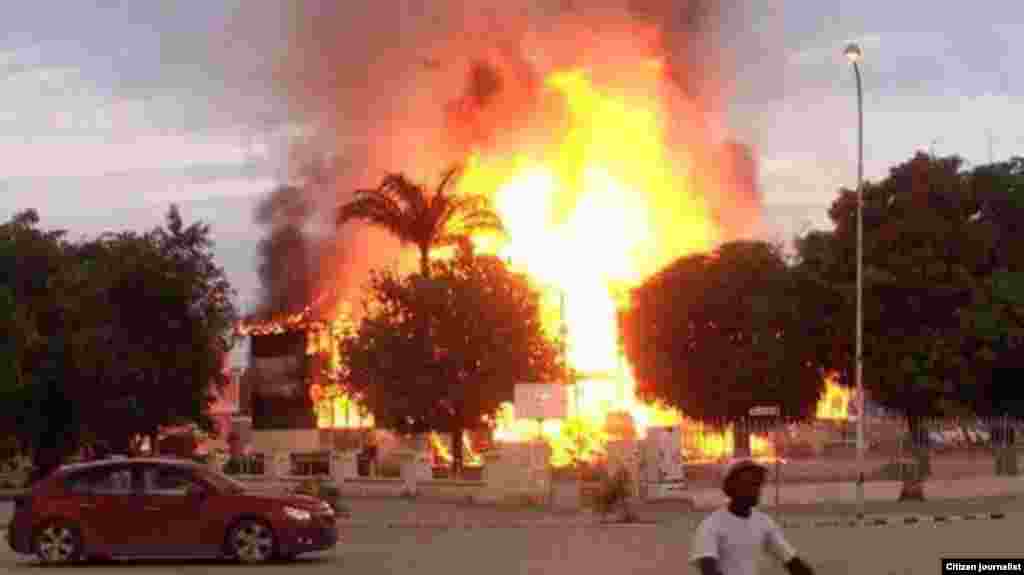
(285, 498)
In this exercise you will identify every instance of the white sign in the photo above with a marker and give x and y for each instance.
(541, 401)
(668, 443)
(765, 411)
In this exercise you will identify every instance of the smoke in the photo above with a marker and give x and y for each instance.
(412, 85)
(300, 259)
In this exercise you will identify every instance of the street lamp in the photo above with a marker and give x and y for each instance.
(853, 54)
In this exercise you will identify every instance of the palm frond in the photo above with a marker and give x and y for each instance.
(436, 216)
(406, 210)
(374, 208)
(472, 213)
(406, 192)
(448, 179)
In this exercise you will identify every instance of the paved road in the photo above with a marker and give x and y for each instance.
(644, 550)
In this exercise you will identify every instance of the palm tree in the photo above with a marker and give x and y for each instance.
(428, 221)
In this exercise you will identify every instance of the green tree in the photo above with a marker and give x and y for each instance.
(33, 272)
(10, 364)
(927, 253)
(716, 334)
(115, 336)
(940, 258)
(486, 336)
(426, 220)
(993, 324)
(157, 321)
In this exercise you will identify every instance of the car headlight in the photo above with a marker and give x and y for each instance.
(297, 514)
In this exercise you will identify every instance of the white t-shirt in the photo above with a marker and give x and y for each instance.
(737, 542)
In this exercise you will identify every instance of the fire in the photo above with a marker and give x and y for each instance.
(703, 444)
(333, 406)
(835, 401)
(336, 409)
(594, 214)
(471, 458)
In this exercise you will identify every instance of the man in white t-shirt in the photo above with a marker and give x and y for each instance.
(731, 540)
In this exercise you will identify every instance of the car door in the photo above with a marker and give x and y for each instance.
(174, 511)
(108, 499)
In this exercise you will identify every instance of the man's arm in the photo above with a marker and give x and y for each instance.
(786, 553)
(704, 553)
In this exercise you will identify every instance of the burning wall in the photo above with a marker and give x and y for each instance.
(294, 369)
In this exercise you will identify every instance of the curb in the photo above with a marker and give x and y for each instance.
(910, 520)
(526, 524)
(894, 521)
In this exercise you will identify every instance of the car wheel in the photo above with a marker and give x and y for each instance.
(251, 541)
(58, 544)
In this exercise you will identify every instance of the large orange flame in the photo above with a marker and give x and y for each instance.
(598, 211)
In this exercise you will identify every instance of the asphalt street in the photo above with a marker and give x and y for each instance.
(596, 550)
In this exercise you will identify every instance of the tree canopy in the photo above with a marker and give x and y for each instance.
(425, 219)
(486, 336)
(941, 298)
(716, 334)
(116, 335)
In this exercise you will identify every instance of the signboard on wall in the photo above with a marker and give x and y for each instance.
(541, 401)
(765, 411)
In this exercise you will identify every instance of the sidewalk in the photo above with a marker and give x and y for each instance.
(834, 500)
(846, 492)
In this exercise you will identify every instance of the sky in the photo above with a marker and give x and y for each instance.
(112, 110)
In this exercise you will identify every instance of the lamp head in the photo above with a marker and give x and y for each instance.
(853, 53)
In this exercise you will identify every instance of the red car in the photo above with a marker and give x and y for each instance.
(163, 508)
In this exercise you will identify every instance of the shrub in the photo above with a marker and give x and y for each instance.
(614, 494)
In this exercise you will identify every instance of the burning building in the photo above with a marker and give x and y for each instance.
(291, 377)
(599, 136)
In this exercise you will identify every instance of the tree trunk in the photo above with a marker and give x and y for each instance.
(457, 449)
(913, 483)
(425, 261)
(741, 439)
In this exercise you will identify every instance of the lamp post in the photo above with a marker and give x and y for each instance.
(853, 54)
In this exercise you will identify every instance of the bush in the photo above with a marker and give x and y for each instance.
(614, 494)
